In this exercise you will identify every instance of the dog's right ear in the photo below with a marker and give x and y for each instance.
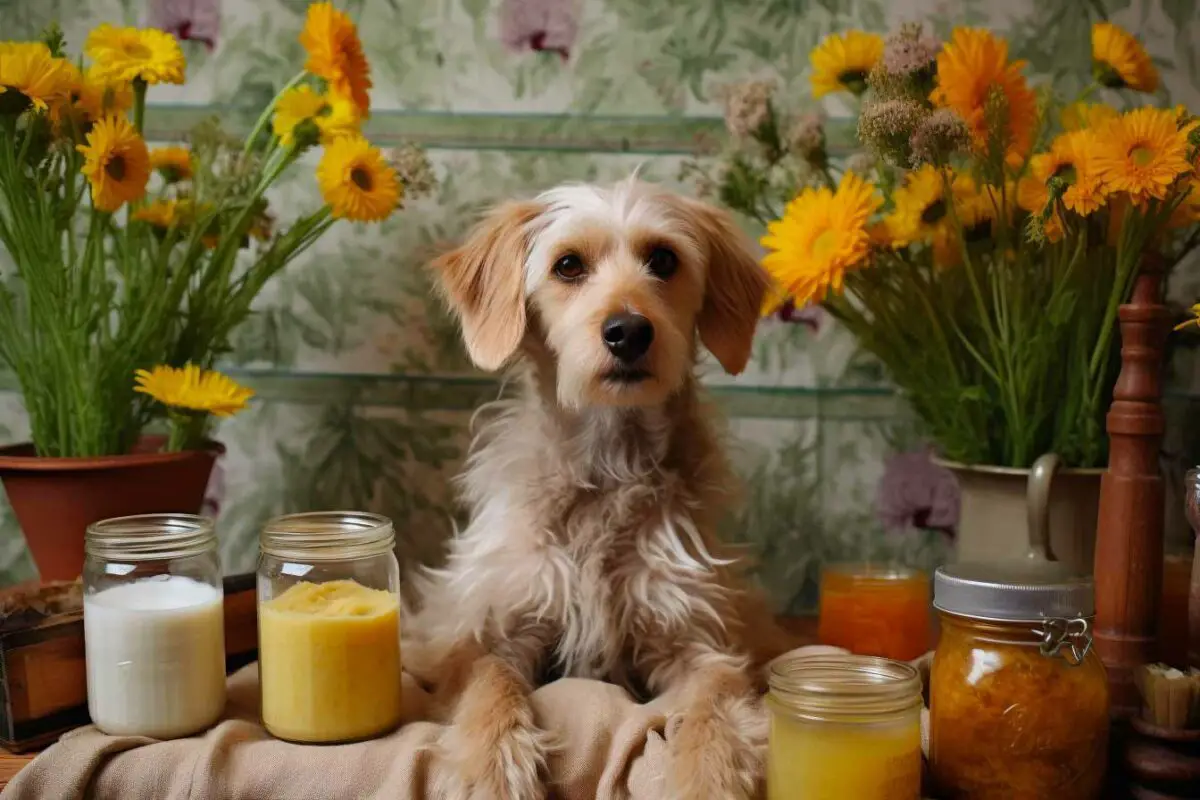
(484, 281)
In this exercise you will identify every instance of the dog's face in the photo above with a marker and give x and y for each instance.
(615, 282)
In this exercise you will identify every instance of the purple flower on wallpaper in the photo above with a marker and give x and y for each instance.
(811, 316)
(188, 20)
(916, 493)
(544, 26)
(215, 493)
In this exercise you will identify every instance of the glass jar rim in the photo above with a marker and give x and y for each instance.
(867, 570)
(327, 536)
(842, 687)
(150, 537)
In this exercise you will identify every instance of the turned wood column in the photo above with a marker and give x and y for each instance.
(1129, 536)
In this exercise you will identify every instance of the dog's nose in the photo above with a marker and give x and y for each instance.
(627, 335)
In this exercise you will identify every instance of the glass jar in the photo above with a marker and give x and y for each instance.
(1019, 703)
(329, 626)
(843, 726)
(153, 625)
(875, 610)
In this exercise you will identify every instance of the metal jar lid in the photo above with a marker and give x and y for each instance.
(1013, 591)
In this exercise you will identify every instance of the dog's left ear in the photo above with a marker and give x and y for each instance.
(734, 289)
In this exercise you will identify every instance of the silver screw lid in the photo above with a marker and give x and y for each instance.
(1013, 591)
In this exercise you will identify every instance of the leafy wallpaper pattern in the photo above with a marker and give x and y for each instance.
(364, 392)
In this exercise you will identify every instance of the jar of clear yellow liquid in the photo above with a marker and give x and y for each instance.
(842, 727)
(329, 627)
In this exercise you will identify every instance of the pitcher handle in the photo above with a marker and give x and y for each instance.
(1038, 503)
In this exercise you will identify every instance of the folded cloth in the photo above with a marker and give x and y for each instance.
(608, 747)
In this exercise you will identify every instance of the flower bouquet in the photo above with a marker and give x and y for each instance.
(126, 258)
(981, 243)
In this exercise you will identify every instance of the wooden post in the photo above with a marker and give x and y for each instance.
(1129, 536)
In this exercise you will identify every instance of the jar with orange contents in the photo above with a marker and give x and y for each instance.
(1019, 706)
(875, 610)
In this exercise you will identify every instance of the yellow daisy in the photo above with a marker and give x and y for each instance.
(173, 163)
(821, 236)
(129, 54)
(1119, 61)
(193, 389)
(1087, 115)
(159, 214)
(335, 54)
(1143, 152)
(1188, 210)
(1072, 159)
(842, 61)
(115, 163)
(357, 182)
(332, 116)
(973, 64)
(31, 76)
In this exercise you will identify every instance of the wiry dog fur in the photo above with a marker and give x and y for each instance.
(590, 549)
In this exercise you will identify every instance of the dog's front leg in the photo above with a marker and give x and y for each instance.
(492, 748)
(718, 735)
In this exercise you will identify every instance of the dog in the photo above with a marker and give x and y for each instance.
(595, 493)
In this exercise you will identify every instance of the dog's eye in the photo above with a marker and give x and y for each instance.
(662, 263)
(570, 268)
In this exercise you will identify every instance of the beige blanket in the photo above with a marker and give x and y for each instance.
(612, 747)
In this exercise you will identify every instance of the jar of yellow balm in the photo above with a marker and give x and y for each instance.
(843, 726)
(329, 627)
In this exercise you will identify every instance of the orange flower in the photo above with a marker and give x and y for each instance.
(972, 65)
(335, 54)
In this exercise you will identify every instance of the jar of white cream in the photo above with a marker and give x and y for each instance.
(153, 623)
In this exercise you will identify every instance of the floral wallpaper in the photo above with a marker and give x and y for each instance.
(364, 392)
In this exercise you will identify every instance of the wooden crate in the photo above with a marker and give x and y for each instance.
(43, 681)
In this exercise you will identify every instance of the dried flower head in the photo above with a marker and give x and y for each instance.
(887, 128)
(939, 136)
(911, 53)
(806, 138)
(412, 166)
(748, 107)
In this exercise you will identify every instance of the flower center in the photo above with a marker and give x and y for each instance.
(1141, 155)
(933, 212)
(1066, 172)
(824, 244)
(136, 50)
(361, 178)
(115, 168)
(854, 79)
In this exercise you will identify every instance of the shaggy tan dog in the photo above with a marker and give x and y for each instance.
(595, 494)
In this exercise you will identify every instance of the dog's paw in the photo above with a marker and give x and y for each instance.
(718, 753)
(504, 764)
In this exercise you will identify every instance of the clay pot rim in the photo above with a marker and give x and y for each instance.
(22, 458)
(1022, 472)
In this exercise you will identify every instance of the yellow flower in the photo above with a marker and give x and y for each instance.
(974, 64)
(822, 235)
(332, 116)
(173, 163)
(1119, 61)
(841, 62)
(1078, 116)
(1143, 152)
(115, 163)
(921, 213)
(1072, 158)
(1195, 312)
(357, 182)
(1188, 210)
(193, 389)
(160, 214)
(918, 206)
(30, 76)
(128, 54)
(335, 54)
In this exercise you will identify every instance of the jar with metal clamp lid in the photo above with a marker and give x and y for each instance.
(1019, 703)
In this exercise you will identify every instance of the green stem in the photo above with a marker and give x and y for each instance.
(265, 116)
(139, 106)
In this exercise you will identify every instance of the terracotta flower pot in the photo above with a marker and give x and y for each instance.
(55, 499)
(1045, 512)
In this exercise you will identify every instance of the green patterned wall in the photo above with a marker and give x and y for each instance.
(364, 392)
